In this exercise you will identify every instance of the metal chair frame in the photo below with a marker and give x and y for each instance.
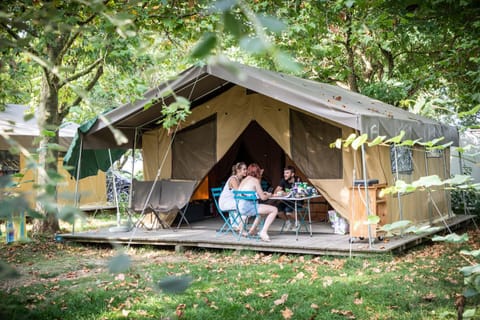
(248, 196)
(227, 225)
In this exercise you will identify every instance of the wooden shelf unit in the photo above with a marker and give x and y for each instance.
(358, 210)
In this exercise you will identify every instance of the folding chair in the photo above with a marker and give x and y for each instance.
(166, 196)
(227, 219)
(176, 195)
(140, 194)
(240, 195)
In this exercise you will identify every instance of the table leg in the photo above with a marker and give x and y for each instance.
(309, 217)
(296, 221)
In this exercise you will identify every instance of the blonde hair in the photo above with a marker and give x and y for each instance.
(237, 167)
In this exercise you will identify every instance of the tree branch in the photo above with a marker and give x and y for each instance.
(16, 37)
(74, 36)
(81, 73)
(88, 88)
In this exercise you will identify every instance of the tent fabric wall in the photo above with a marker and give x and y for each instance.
(194, 150)
(235, 109)
(311, 138)
(92, 190)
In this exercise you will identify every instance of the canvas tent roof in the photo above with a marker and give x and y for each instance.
(13, 123)
(198, 84)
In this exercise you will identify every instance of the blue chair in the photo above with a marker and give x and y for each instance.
(246, 225)
(227, 218)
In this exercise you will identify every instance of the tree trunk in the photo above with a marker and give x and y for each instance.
(47, 160)
(352, 77)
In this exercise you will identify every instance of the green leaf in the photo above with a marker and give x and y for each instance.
(452, 238)
(474, 253)
(408, 143)
(286, 63)
(428, 181)
(119, 264)
(204, 46)
(252, 45)
(458, 179)
(395, 225)
(469, 313)
(69, 214)
(350, 3)
(376, 141)
(174, 284)
(397, 138)
(359, 141)
(470, 292)
(470, 270)
(272, 23)
(372, 219)
(223, 5)
(337, 144)
(232, 25)
(7, 272)
(349, 140)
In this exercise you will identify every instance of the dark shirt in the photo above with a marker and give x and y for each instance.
(284, 184)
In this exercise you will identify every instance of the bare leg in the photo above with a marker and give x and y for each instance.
(271, 212)
(254, 227)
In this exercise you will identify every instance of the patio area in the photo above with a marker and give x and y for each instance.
(203, 235)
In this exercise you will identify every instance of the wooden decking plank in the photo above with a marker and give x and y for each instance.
(203, 234)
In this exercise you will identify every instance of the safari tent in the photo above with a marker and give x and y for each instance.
(24, 130)
(242, 113)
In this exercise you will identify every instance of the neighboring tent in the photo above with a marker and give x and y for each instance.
(24, 130)
(92, 161)
(253, 115)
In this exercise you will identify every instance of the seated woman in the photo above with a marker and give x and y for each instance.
(226, 202)
(247, 208)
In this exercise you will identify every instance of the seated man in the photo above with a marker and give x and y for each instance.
(286, 208)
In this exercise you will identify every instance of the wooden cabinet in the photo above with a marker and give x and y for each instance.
(358, 209)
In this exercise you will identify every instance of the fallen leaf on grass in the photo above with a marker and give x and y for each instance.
(347, 313)
(248, 292)
(249, 307)
(179, 311)
(282, 300)
(314, 306)
(265, 295)
(287, 313)
(358, 301)
(429, 296)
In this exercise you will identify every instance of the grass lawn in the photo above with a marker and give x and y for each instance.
(59, 281)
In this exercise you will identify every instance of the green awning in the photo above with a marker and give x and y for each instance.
(91, 160)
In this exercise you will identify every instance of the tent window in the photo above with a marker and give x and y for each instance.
(9, 163)
(402, 157)
(310, 140)
(194, 150)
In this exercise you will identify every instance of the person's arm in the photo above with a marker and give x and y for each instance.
(262, 194)
(279, 188)
(233, 184)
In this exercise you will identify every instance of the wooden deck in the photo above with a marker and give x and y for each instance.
(203, 234)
